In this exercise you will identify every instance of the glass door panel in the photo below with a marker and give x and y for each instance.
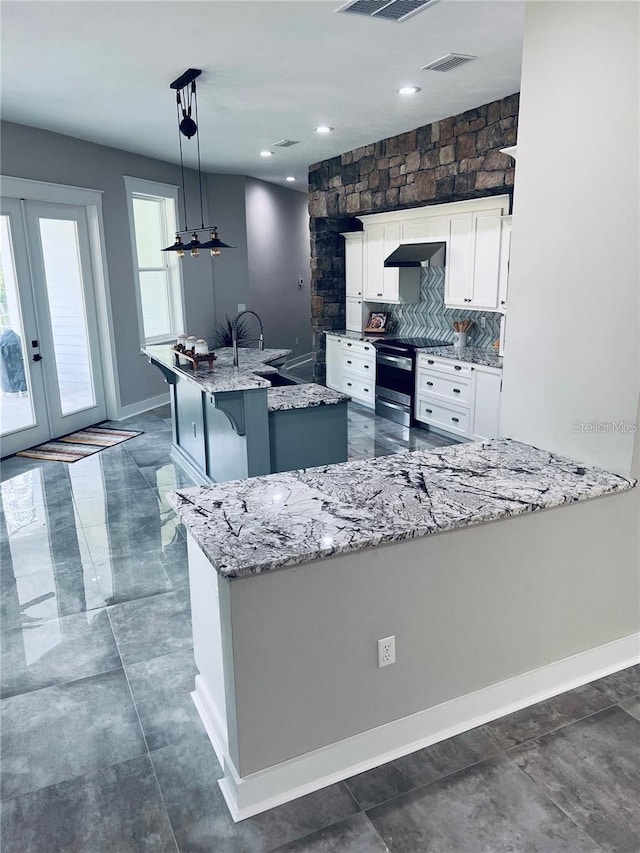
(17, 403)
(23, 412)
(63, 284)
(67, 313)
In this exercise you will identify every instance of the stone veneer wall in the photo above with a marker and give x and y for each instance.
(454, 159)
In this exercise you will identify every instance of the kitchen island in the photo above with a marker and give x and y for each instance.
(228, 421)
(488, 562)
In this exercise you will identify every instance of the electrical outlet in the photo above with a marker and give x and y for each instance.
(297, 341)
(300, 283)
(483, 322)
(386, 651)
(241, 307)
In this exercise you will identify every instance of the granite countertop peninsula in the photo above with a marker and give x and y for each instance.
(477, 355)
(250, 526)
(251, 372)
(303, 396)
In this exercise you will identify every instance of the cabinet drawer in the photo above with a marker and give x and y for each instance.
(432, 411)
(359, 347)
(354, 363)
(455, 389)
(358, 388)
(445, 365)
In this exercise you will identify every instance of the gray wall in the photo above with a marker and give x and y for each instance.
(279, 254)
(39, 155)
(273, 219)
(231, 270)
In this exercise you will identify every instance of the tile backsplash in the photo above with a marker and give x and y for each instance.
(431, 318)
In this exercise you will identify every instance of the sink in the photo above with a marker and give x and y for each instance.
(277, 380)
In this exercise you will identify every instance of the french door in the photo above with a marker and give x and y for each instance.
(50, 367)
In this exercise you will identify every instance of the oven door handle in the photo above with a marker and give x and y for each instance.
(395, 361)
(392, 405)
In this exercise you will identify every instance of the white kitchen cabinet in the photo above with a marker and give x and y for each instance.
(333, 358)
(387, 284)
(431, 229)
(473, 270)
(458, 397)
(356, 314)
(505, 252)
(354, 264)
(486, 408)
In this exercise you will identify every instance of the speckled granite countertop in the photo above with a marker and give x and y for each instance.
(224, 376)
(477, 355)
(356, 336)
(303, 397)
(250, 526)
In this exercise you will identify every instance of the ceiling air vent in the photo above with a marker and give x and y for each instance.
(392, 10)
(286, 143)
(448, 62)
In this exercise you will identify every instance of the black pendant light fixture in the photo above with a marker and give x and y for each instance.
(187, 106)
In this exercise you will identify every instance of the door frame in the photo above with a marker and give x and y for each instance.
(91, 200)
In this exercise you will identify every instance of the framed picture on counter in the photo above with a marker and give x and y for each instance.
(377, 322)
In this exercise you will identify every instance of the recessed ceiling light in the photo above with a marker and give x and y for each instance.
(409, 90)
(290, 178)
(324, 128)
(266, 153)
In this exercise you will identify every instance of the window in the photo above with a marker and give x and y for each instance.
(152, 219)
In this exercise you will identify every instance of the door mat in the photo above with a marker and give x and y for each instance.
(71, 448)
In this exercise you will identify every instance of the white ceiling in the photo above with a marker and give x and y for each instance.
(101, 71)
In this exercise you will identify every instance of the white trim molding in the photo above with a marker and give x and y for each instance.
(250, 795)
(142, 406)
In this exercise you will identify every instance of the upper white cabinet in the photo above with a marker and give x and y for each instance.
(354, 263)
(505, 251)
(430, 229)
(387, 284)
(473, 265)
(475, 245)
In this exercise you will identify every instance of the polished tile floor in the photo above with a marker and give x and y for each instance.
(102, 750)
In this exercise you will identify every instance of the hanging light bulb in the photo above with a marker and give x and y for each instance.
(194, 245)
(215, 244)
(177, 247)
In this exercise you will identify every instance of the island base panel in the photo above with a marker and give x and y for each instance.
(488, 619)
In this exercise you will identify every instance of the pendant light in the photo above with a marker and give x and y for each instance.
(187, 107)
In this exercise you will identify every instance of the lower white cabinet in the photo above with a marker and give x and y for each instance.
(334, 362)
(486, 409)
(351, 368)
(458, 397)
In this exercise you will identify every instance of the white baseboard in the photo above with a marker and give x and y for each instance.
(307, 773)
(141, 407)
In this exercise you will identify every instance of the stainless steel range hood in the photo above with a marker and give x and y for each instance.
(417, 255)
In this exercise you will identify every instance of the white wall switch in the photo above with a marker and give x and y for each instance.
(241, 307)
(386, 651)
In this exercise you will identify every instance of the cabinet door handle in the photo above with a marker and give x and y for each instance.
(503, 302)
(378, 294)
(348, 345)
(457, 367)
(455, 420)
(429, 383)
(367, 349)
(348, 362)
(429, 411)
(366, 389)
(456, 390)
(366, 367)
(429, 361)
(348, 385)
